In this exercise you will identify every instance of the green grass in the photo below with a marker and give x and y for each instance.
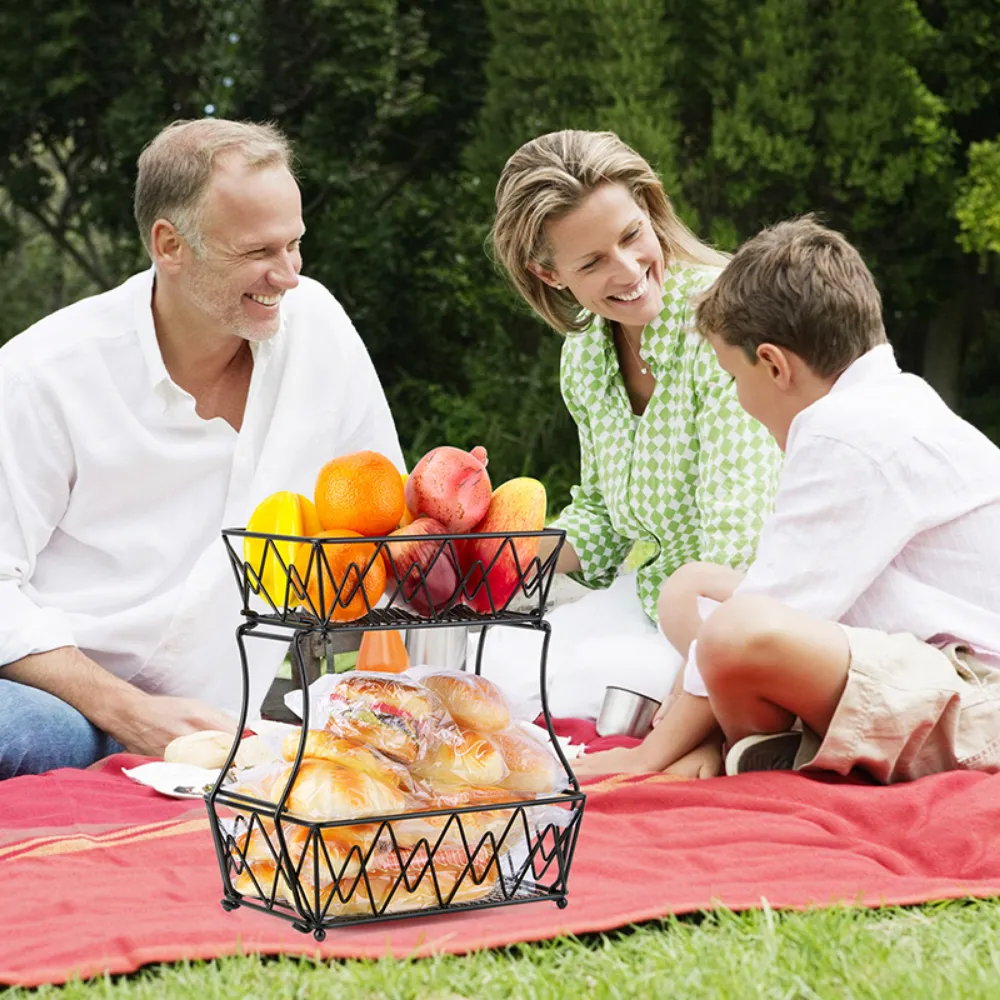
(947, 950)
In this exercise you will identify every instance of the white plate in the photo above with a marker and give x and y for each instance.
(173, 779)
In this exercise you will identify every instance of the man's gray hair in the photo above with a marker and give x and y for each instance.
(175, 169)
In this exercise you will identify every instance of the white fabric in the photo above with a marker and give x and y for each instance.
(113, 491)
(887, 514)
(694, 683)
(603, 638)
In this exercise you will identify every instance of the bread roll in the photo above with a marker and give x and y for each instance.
(449, 831)
(345, 845)
(393, 736)
(470, 699)
(388, 893)
(258, 881)
(321, 744)
(325, 791)
(423, 895)
(374, 690)
(531, 766)
(461, 756)
(210, 748)
(207, 748)
(385, 712)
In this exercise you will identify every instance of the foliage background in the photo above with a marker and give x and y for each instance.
(882, 115)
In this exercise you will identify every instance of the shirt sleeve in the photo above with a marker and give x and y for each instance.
(738, 467)
(586, 520)
(36, 470)
(827, 540)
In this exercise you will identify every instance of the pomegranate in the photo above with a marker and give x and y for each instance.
(452, 486)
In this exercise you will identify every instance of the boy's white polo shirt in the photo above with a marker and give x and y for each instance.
(888, 513)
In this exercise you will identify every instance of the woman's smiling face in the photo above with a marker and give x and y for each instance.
(607, 254)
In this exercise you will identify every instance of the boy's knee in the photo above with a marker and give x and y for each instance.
(739, 636)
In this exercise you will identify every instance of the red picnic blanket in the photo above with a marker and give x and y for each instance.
(102, 875)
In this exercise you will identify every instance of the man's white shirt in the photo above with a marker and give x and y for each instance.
(887, 514)
(114, 492)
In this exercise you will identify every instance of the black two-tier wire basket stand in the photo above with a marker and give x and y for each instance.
(323, 875)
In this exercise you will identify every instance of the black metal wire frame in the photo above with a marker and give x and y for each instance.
(306, 593)
(309, 897)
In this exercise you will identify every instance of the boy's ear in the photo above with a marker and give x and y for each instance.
(544, 274)
(777, 363)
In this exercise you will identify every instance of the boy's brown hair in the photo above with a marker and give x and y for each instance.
(799, 286)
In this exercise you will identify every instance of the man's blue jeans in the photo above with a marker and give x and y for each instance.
(38, 732)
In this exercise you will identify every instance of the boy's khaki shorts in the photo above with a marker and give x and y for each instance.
(910, 709)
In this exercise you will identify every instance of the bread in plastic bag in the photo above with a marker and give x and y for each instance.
(471, 700)
(325, 791)
(321, 744)
(384, 712)
(532, 767)
(460, 756)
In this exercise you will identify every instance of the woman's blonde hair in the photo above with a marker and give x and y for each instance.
(549, 177)
(176, 167)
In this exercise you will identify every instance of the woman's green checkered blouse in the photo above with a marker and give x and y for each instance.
(694, 474)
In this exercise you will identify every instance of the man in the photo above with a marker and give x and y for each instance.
(135, 425)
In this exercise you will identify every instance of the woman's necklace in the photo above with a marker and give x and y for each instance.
(643, 367)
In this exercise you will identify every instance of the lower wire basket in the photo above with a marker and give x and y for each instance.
(326, 875)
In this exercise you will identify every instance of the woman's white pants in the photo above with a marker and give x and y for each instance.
(604, 638)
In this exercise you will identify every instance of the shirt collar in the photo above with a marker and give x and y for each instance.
(874, 364)
(145, 328)
(656, 347)
(142, 312)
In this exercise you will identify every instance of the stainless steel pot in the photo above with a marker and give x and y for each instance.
(438, 647)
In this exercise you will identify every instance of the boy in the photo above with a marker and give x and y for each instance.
(872, 612)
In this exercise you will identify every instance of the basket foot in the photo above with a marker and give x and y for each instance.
(229, 905)
(562, 902)
(319, 934)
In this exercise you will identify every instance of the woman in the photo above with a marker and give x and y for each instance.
(667, 455)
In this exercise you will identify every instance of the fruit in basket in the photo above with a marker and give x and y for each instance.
(450, 485)
(426, 569)
(518, 505)
(283, 513)
(350, 571)
(362, 491)
(408, 516)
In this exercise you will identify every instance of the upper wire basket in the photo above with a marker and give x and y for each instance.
(392, 581)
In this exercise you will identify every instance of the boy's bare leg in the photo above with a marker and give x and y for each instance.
(765, 664)
(686, 723)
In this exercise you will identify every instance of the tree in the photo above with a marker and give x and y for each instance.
(592, 64)
(84, 87)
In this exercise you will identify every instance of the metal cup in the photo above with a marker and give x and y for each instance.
(626, 713)
(438, 647)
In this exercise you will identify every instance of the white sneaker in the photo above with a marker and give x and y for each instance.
(763, 752)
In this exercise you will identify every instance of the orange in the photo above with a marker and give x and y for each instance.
(362, 492)
(356, 570)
